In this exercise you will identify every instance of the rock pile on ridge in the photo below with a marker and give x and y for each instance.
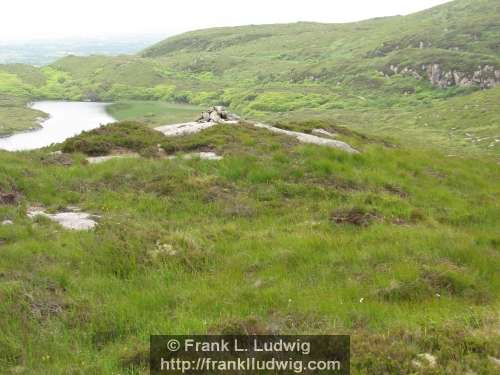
(217, 114)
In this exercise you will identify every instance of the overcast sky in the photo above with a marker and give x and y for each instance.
(32, 19)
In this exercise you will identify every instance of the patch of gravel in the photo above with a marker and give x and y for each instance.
(68, 219)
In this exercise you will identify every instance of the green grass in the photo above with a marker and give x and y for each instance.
(258, 248)
(131, 136)
(397, 246)
(464, 124)
(154, 113)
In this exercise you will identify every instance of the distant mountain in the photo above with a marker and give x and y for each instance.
(454, 44)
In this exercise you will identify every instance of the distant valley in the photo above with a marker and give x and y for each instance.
(45, 51)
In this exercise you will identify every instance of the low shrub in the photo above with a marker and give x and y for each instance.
(128, 135)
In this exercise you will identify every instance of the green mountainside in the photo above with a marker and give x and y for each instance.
(270, 71)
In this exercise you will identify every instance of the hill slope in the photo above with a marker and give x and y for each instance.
(399, 64)
(396, 246)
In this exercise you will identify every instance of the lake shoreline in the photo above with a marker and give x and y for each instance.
(63, 120)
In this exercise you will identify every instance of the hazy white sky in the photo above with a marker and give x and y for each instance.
(30, 19)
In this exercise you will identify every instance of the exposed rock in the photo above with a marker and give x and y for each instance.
(308, 138)
(162, 250)
(494, 361)
(323, 132)
(425, 360)
(7, 222)
(203, 156)
(228, 118)
(484, 77)
(217, 114)
(69, 220)
(434, 74)
(200, 155)
(102, 159)
(183, 129)
(213, 116)
(205, 117)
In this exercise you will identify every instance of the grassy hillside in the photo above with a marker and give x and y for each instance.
(16, 116)
(462, 124)
(396, 246)
(264, 71)
(154, 113)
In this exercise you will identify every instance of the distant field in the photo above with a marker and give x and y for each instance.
(154, 113)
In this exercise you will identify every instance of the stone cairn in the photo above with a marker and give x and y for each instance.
(217, 114)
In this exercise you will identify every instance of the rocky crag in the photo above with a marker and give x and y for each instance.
(485, 77)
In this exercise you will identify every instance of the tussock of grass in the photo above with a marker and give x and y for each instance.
(127, 135)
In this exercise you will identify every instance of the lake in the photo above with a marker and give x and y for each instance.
(66, 120)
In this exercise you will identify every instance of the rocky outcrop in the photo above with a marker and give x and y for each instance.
(217, 114)
(485, 77)
(102, 159)
(309, 138)
(185, 128)
(198, 155)
(72, 218)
